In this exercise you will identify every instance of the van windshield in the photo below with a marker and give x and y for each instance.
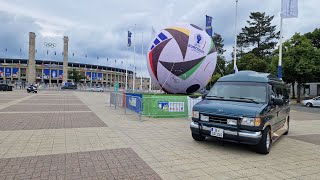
(239, 91)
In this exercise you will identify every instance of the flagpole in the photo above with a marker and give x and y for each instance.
(141, 62)
(280, 50)
(134, 57)
(235, 39)
(126, 86)
(150, 85)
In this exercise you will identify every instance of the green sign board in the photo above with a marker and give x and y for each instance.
(164, 105)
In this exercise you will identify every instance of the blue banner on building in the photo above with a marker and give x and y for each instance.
(88, 75)
(100, 76)
(15, 72)
(1, 71)
(46, 73)
(134, 102)
(94, 76)
(60, 74)
(54, 73)
(8, 72)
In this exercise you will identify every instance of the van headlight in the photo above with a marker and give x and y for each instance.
(204, 117)
(232, 122)
(195, 114)
(251, 121)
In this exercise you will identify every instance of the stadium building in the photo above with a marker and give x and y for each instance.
(51, 72)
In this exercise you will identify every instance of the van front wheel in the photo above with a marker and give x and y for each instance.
(197, 137)
(264, 145)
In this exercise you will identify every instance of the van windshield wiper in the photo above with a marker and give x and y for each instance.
(219, 97)
(247, 99)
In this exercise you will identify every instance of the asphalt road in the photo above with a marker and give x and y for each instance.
(301, 108)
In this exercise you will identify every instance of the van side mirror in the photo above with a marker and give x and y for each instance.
(278, 101)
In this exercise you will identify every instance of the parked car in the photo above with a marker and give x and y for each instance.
(5, 87)
(32, 89)
(69, 87)
(247, 107)
(97, 89)
(312, 102)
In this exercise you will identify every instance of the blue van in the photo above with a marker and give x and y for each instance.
(247, 107)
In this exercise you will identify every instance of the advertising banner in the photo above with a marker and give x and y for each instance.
(1, 71)
(133, 102)
(88, 75)
(60, 74)
(100, 76)
(94, 76)
(8, 72)
(15, 72)
(46, 73)
(163, 105)
(54, 74)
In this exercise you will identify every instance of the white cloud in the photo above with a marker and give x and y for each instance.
(99, 28)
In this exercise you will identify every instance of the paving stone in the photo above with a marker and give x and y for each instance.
(29, 121)
(310, 138)
(27, 108)
(58, 166)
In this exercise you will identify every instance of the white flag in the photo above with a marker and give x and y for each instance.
(289, 8)
(153, 32)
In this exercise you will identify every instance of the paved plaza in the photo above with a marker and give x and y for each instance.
(77, 135)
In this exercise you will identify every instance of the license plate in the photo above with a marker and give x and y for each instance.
(217, 132)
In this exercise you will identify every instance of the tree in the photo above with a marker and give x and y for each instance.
(300, 61)
(213, 80)
(76, 75)
(314, 37)
(221, 61)
(251, 62)
(259, 37)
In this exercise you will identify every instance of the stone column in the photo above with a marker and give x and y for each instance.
(32, 63)
(65, 58)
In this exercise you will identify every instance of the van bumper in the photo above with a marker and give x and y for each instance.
(242, 136)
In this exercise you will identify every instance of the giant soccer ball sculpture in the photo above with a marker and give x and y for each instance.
(182, 59)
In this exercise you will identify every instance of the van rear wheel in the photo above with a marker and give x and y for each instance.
(198, 137)
(264, 145)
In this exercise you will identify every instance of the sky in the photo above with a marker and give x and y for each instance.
(99, 28)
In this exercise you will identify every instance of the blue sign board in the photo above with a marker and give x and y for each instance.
(15, 72)
(54, 73)
(99, 76)
(60, 74)
(88, 75)
(8, 72)
(1, 71)
(46, 73)
(94, 76)
(134, 102)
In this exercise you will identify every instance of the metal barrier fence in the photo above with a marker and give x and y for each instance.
(160, 106)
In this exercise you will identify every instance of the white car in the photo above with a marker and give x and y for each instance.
(312, 102)
(97, 89)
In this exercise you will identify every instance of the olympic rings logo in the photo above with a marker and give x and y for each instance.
(49, 44)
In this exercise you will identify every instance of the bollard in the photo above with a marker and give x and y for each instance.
(115, 102)
(125, 106)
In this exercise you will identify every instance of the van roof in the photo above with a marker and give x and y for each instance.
(250, 76)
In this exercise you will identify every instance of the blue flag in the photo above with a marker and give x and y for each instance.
(129, 38)
(208, 25)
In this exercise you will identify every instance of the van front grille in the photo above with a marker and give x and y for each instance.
(218, 119)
